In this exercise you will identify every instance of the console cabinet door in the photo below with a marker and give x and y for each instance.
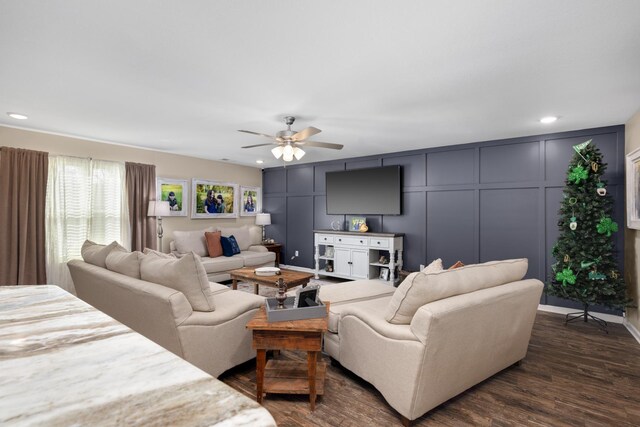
(360, 263)
(342, 261)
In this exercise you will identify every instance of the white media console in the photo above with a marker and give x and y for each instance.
(354, 255)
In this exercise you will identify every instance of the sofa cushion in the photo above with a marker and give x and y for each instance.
(217, 265)
(241, 234)
(186, 274)
(160, 254)
(229, 305)
(214, 247)
(419, 289)
(342, 294)
(217, 288)
(191, 241)
(252, 258)
(124, 262)
(96, 254)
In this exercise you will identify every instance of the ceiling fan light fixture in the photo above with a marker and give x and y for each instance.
(277, 152)
(287, 153)
(298, 153)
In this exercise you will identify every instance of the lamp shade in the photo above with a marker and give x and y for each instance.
(277, 151)
(263, 219)
(158, 208)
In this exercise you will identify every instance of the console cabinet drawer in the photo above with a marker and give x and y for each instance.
(351, 241)
(378, 243)
(324, 239)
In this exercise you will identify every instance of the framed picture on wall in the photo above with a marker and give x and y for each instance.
(633, 189)
(176, 192)
(250, 200)
(213, 199)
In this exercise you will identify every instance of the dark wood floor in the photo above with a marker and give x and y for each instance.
(572, 376)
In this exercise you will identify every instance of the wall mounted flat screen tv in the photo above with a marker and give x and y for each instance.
(371, 191)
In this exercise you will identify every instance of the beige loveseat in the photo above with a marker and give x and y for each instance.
(249, 238)
(434, 336)
(202, 322)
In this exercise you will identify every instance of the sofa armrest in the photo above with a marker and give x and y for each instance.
(371, 313)
(228, 305)
(258, 248)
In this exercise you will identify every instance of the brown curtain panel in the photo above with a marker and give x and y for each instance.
(141, 187)
(23, 186)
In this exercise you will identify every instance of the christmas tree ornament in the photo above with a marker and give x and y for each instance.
(607, 226)
(566, 276)
(601, 190)
(578, 174)
(583, 254)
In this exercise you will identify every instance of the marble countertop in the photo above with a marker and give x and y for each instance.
(62, 362)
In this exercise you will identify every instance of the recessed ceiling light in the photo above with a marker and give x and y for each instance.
(548, 119)
(17, 116)
(259, 162)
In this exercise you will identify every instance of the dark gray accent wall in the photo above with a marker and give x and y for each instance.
(473, 202)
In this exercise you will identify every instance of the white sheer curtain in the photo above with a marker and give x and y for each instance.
(86, 199)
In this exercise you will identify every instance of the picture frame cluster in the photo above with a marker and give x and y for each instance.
(208, 199)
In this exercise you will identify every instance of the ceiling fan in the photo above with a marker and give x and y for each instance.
(289, 143)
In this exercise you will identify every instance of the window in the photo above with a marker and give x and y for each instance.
(86, 199)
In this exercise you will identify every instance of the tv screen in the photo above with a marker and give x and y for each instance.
(372, 191)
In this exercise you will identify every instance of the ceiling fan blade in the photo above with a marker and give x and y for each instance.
(260, 145)
(257, 133)
(321, 144)
(305, 133)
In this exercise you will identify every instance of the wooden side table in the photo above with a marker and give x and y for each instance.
(289, 377)
(275, 248)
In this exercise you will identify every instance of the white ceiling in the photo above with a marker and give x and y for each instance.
(377, 76)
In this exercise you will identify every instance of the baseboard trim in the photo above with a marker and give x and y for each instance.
(632, 329)
(564, 310)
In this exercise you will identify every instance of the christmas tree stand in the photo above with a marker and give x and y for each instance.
(585, 315)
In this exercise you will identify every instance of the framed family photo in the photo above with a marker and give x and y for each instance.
(174, 191)
(250, 201)
(633, 189)
(213, 199)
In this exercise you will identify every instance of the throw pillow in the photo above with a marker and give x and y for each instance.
(188, 241)
(124, 262)
(213, 243)
(426, 288)
(186, 274)
(458, 264)
(96, 254)
(234, 245)
(227, 248)
(406, 298)
(436, 265)
(242, 235)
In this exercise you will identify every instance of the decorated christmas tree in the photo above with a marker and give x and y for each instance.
(586, 269)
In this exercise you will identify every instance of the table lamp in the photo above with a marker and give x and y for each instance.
(263, 219)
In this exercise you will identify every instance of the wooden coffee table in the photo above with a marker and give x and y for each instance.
(289, 377)
(291, 278)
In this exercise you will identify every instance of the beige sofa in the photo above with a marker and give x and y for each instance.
(214, 340)
(448, 332)
(249, 238)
